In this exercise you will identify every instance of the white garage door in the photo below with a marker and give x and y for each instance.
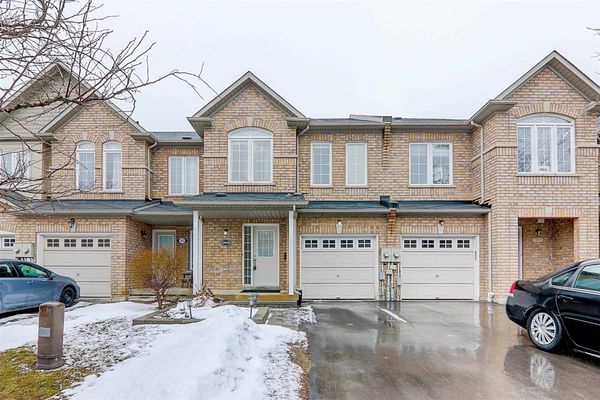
(338, 267)
(438, 268)
(83, 258)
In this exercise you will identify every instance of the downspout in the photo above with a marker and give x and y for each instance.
(148, 169)
(302, 132)
(490, 296)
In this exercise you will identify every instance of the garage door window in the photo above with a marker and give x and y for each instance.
(52, 242)
(445, 244)
(463, 243)
(329, 243)
(427, 243)
(364, 243)
(70, 242)
(410, 243)
(311, 244)
(103, 242)
(347, 243)
(87, 242)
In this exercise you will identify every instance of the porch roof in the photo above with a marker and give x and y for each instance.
(243, 205)
(342, 207)
(440, 207)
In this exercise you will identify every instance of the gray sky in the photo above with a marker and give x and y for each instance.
(330, 59)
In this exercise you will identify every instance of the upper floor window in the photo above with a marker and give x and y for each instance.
(183, 175)
(14, 166)
(545, 144)
(356, 164)
(112, 166)
(430, 163)
(84, 167)
(250, 156)
(320, 164)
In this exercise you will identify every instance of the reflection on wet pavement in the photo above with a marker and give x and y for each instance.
(436, 350)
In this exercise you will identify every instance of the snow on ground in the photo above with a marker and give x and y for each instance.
(292, 317)
(225, 356)
(21, 330)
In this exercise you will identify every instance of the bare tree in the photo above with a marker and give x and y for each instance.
(39, 41)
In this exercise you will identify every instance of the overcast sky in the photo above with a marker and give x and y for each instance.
(330, 59)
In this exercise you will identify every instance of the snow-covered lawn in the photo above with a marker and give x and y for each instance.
(224, 356)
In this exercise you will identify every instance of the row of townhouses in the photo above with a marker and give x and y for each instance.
(260, 197)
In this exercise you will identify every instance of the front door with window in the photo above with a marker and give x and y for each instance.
(261, 256)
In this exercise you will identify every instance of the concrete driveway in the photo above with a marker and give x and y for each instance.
(436, 350)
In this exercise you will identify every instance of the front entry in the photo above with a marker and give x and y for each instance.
(261, 256)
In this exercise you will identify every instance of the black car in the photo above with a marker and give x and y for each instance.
(561, 308)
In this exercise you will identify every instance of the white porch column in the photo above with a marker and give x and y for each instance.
(291, 252)
(197, 251)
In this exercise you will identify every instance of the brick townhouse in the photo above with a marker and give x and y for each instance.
(262, 198)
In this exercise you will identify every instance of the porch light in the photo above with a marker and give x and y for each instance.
(441, 224)
(225, 232)
(72, 224)
(144, 234)
(339, 226)
(538, 231)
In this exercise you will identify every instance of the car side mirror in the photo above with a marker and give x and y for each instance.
(52, 276)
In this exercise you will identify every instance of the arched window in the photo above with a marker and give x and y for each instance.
(84, 167)
(545, 144)
(111, 166)
(250, 156)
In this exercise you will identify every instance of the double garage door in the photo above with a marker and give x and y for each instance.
(346, 267)
(83, 258)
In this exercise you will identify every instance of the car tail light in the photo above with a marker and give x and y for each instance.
(511, 292)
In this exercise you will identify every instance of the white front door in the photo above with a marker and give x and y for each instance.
(265, 256)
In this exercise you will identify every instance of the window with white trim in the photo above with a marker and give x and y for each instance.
(183, 175)
(445, 243)
(430, 163)
(545, 144)
(84, 166)
(463, 243)
(320, 164)
(112, 165)
(103, 242)
(364, 243)
(8, 242)
(70, 243)
(410, 243)
(329, 243)
(311, 243)
(87, 242)
(52, 243)
(250, 156)
(427, 243)
(356, 164)
(347, 243)
(14, 166)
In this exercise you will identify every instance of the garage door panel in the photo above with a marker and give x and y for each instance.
(347, 259)
(83, 274)
(338, 291)
(337, 275)
(437, 259)
(435, 275)
(437, 291)
(82, 257)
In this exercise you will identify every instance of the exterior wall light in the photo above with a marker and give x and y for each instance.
(225, 232)
(144, 234)
(339, 226)
(441, 225)
(72, 225)
(538, 231)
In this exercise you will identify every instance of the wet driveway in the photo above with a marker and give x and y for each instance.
(436, 350)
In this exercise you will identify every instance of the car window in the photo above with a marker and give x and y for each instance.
(589, 278)
(561, 279)
(31, 271)
(6, 271)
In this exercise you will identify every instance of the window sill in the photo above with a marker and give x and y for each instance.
(547, 174)
(182, 195)
(120, 191)
(321, 186)
(250, 184)
(431, 186)
(357, 186)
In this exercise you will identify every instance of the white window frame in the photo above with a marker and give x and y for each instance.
(330, 184)
(533, 143)
(184, 175)
(248, 135)
(78, 151)
(105, 151)
(16, 156)
(366, 161)
(430, 164)
(3, 245)
(157, 233)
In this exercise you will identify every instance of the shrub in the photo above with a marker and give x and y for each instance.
(158, 270)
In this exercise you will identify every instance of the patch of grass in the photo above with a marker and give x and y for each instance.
(19, 380)
(300, 355)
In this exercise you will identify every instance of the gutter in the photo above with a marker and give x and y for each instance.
(490, 296)
(302, 132)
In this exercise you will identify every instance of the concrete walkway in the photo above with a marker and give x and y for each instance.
(436, 350)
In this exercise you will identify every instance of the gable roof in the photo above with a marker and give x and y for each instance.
(562, 67)
(35, 122)
(199, 119)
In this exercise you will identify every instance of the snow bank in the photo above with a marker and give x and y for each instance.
(20, 332)
(225, 356)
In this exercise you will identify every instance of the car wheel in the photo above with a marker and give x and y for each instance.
(67, 297)
(545, 330)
